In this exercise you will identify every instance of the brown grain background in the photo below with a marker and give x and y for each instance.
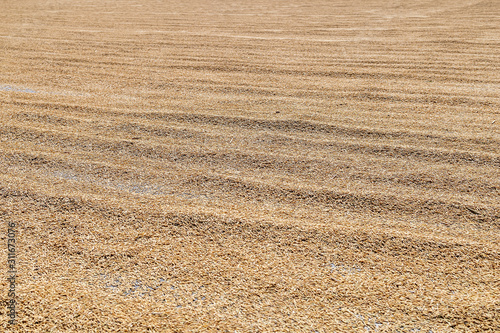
(264, 166)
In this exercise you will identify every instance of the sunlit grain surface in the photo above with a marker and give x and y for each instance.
(263, 166)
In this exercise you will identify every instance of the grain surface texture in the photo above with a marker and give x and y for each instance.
(251, 166)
